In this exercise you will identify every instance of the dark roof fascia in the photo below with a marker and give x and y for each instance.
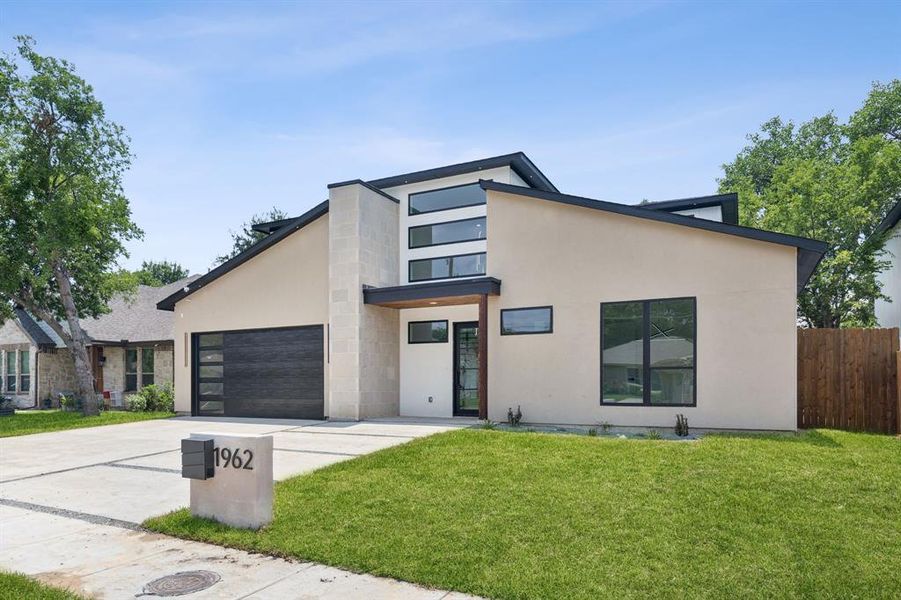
(518, 161)
(728, 204)
(261, 246)
(366, 185)
(890, 220)
(33, 330)
(810, 251)
(124, 343)
(439, 289)
(270, 226)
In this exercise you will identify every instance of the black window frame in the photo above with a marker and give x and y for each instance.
(410, 229)
(451, 256)
(410, 212)
(446, 331)
(550, 307)
(136, 373)
(646, 355)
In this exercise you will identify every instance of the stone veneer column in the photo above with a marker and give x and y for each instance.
(364, 352)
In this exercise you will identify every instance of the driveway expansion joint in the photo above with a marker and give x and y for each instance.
(72, 514)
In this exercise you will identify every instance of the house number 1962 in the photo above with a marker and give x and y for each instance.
(236, 459)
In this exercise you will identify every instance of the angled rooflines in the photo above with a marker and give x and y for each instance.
(890, 220)
(33, 330)
(728, 204)
(267, 242)
(810, 252)
(270, 226)
(518, 161)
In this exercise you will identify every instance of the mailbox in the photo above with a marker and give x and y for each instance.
(197, 460)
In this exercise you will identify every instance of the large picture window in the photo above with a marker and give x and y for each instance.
(523, 321)
(648, 352)
(447, 267)
(459, 196)
(451, 232)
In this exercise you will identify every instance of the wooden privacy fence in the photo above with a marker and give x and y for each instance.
(849, 379)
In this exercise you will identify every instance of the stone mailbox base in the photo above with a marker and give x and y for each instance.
(240, 492)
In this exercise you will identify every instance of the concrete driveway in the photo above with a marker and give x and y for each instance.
(71, 503)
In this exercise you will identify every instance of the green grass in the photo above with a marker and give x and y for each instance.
(38, 421)
(14, 585)
(816, 515)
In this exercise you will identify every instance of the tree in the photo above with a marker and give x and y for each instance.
(64, 218)
(246, 236)
(160, 273)
(829, 181)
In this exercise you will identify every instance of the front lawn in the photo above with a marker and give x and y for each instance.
(531, 515)
(14, 585)
(25, 422)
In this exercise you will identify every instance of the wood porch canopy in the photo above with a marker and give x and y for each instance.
(446, 293)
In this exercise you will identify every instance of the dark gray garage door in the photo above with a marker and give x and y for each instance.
(275, 373)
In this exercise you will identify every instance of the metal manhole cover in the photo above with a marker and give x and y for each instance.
(180, 584)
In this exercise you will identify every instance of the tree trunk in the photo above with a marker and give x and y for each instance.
(84, 378)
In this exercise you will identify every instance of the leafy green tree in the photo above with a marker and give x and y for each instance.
(64, 218)
(246, 236)
(159, 273)
(830, 181)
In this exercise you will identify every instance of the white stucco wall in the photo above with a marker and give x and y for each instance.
(426, 370)
(888, 314)
(575, 258)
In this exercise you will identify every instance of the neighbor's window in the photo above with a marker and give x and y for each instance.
(10, 370)
(131, 369)
(427, 332)
(521, 321)
(146, 366)
(24, 371)
(452, 232)
(648, 352)
(447, 267)
(459, 196)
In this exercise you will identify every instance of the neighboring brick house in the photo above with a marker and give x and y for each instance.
(131, 346)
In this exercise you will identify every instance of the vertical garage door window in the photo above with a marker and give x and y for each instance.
(210, 371)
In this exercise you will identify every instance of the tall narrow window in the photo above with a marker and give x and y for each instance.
(24, 371)
(131, 369)
(10, 370)
(210, 374)
(146, 366)
(648, 352)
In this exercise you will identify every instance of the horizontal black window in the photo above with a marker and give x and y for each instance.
(459, 196)
(447, 267)
(522, 321)
(648, 352)
(465, 230)
(426, 332)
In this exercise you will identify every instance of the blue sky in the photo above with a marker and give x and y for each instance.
(235, 107)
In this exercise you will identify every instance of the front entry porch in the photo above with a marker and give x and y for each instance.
(443, 345)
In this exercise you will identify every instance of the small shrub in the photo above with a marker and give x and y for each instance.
(514, 418)
(653, 434)
(152, 398)
(605, 426)
(489, 425)
(593, 432)
(66, 402)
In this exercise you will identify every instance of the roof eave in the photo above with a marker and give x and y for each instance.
(261, 246)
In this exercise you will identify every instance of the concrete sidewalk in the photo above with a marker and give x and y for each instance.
(71, 503)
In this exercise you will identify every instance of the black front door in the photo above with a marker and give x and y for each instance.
(466, 369)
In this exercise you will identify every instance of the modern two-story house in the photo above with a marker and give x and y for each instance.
(474, 288)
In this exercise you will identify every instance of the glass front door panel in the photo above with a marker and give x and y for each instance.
(466, 369)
